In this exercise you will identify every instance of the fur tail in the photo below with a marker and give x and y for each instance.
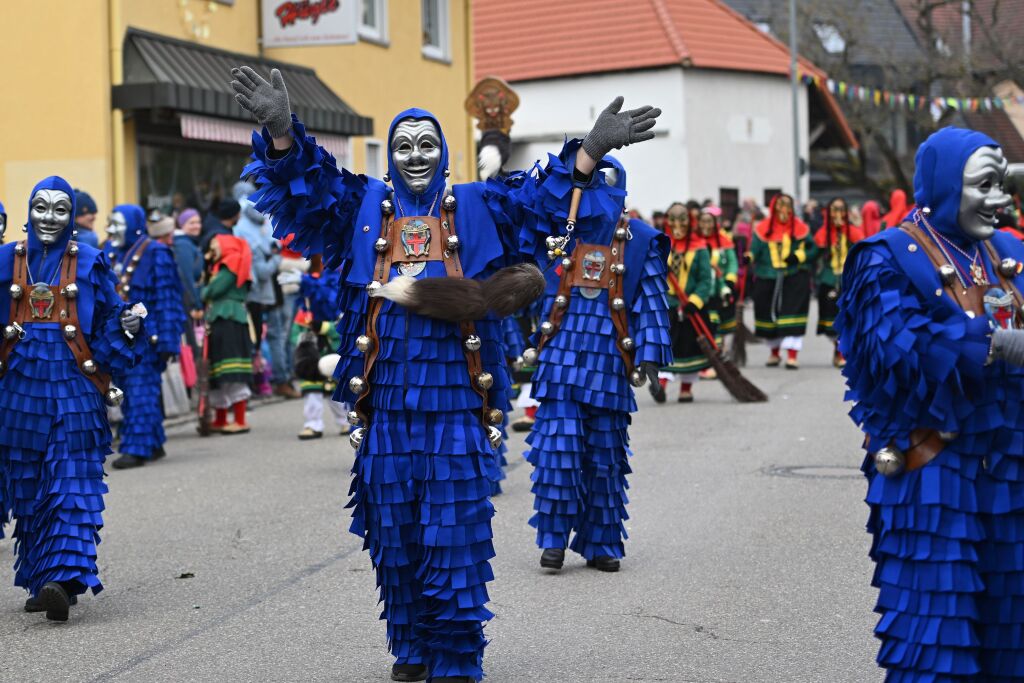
(512, 289)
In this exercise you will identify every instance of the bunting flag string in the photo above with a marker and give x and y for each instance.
(881, 97)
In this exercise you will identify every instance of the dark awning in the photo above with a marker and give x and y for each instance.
(167, 73)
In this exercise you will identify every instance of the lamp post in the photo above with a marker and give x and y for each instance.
(795, 86)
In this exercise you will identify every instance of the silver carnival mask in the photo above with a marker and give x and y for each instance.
(50, 214)
(3, 226)
(416, 152)
(117, 227)
(983, 194)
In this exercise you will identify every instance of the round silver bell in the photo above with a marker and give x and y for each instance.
(561, 301)
(551, 255)
(381, 245)
(518, 364)
(386, 178)
(947, 274)
(621, 233)
(70, 331)
(114, 396)
(373, 286)
(19, 248)
(357, 385)
(125, 289)
(926, 210)
(552, 242)
(495, 416)
(3, 367)
(387, 207)
(153, 339)
(353, 418)
(129, 270)
(890, 461)
(530, 356)
(637, 378)
(125, 279)
(567, 263)
(364, 343)
(948, 436)
(70, 291)
(355, 437)
(494, 436)
(618, 304)
(72, 250)
(628, 344)
(1008, 267)
(485, 380)
(10, 332)
(136, 258)
(546, 328)
(16, 291)
(89, 367)
(472, 343)
(618, 268)
(453, 243)
(448, 203)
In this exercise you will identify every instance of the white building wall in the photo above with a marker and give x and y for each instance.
(741, 133)
(549, 110)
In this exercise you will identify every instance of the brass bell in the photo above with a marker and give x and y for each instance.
(364, 343)
(89, 367)
(448, 203)
(547, 327)
(16, 291)
(567, 263)
(19, 248)
(530, 356)
(618, 268)
(947, 274)
(472, 343)
(10, 332)
(561, 301)
(373, 286)
(114, 396)
(485, 380)
(495, 416)
(453, 242)
(1008, 267)
(494, 436)
(153, 339)
(381, 245)
(357, 385)
(620, 234)
(618, 304)
(890, 461)
(637, 378)
(353, 418)
(70, 291)
(355, 437)
(387, 207)
(628, 344)
(70, 331)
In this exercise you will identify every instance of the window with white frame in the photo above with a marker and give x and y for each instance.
(373, 21)
(435, 29)
(374, 159)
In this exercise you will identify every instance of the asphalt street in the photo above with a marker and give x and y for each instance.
(230, 560)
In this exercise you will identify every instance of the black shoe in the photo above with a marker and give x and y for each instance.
(523, 424)
(55, 600)
(657, 391)
(551, 558)
(604, 563)
(409, 672)
(159, 453)
(33, 605)
(127, 462)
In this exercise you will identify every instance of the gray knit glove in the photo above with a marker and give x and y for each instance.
(1008, 345)
(267, 102)
(615, 128)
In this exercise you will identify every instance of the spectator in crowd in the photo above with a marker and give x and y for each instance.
(870, 218)
(220, 222)
(85, 219)
(189, 257)
(279, 324)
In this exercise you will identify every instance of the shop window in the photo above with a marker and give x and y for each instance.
(374, 162)
(175, 176)
(435, 29)
(373, 24)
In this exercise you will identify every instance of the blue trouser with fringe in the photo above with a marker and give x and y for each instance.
(143, 430)
(580, 456)
(426, 520)
(54, 440)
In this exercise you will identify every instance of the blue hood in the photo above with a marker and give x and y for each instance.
(417, 205)
(938, 179)
(135, 218)
(44, 269)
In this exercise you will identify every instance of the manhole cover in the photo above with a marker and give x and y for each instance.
(813, 472)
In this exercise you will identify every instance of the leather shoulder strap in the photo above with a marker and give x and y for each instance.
(971, 300)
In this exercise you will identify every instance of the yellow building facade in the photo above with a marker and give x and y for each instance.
(63, 59)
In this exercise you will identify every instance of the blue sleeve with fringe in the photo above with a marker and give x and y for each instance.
(650, 309)
(512, 338)
(911, 363)
(110, 346)
(306, 195)
(320, 296)
(167, 316)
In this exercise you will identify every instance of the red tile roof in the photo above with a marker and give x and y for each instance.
(998, 126)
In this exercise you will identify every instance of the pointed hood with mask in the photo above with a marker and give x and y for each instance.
(134, 232)
(418, 204)
(44, 260)
(938, 179)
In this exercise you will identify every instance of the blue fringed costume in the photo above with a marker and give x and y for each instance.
(149, 274)
(580, 442)
(54, 434)
(949, 535)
